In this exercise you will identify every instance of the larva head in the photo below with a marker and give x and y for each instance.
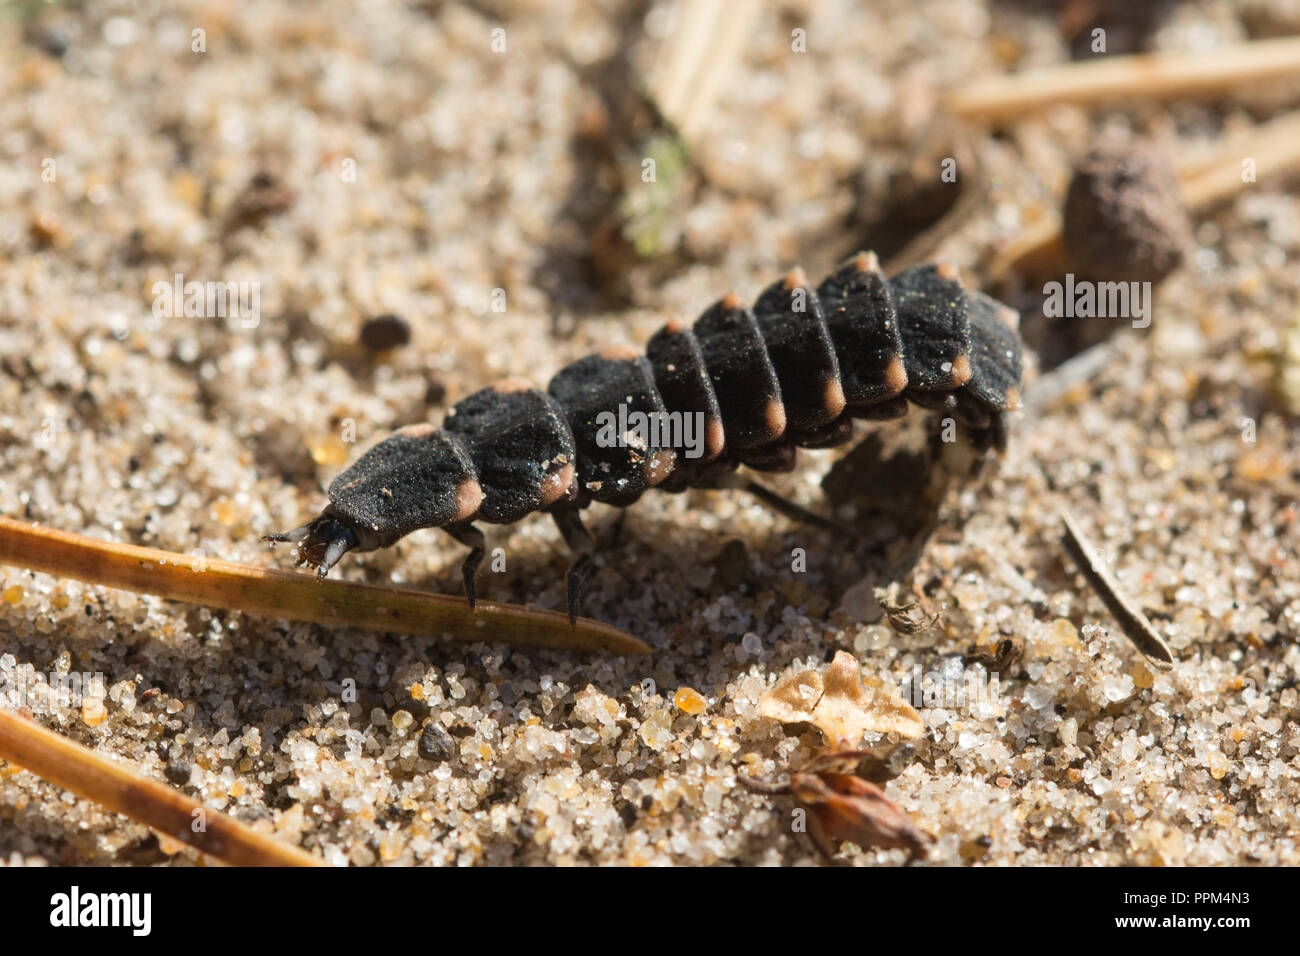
(416, 478)
(321, 541)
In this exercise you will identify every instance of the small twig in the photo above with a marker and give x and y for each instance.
(298, 597)
(1273, 147)
(1145, 76)
(122, 789)
(762, 786)
(1050, 387)
(703, 48)
(1039, 250)
(1131, 620)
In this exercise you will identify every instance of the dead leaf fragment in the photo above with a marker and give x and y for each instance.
(840, 804)
(840, 705)
(792, 699)
(842, 807)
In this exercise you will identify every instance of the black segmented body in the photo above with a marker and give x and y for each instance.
(793, 371)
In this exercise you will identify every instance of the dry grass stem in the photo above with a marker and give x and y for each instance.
(121, 788)
(298, 597)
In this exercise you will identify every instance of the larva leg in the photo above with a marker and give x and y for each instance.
(784, 505)
(578, 538)
(472, 538)
(796, 512)
(616, 534)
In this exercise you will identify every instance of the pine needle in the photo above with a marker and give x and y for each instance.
(295, 596)
(1147, 76)
(120, 787)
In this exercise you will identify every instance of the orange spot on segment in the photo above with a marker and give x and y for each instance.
(960, 370)
(422, 430)
(469, 498)
(896, 375)
(866, 262)
(659, 466)
(946, 270)
(833, 398)
(715, 438)
(1013, 399)
(618, 353)
(557, 484)
(731, 302)
(774, 418)
(511, 386)
(795, 279)
(674, 327)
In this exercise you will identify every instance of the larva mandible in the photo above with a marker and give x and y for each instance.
(793, 371)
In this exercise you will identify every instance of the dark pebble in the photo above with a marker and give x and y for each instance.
(435, 743)
(628, 812)
(418, 709)
(49, 40)
(263, 197)
(385, 332)
(435, 389)
(731, 566)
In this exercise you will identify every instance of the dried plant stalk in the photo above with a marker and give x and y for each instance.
(1145, 76)
(1131, 620)
(1273, 148)
(121, 788)
(696, 58)
(298, 597)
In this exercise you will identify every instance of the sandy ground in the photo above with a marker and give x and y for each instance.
(473, 173)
